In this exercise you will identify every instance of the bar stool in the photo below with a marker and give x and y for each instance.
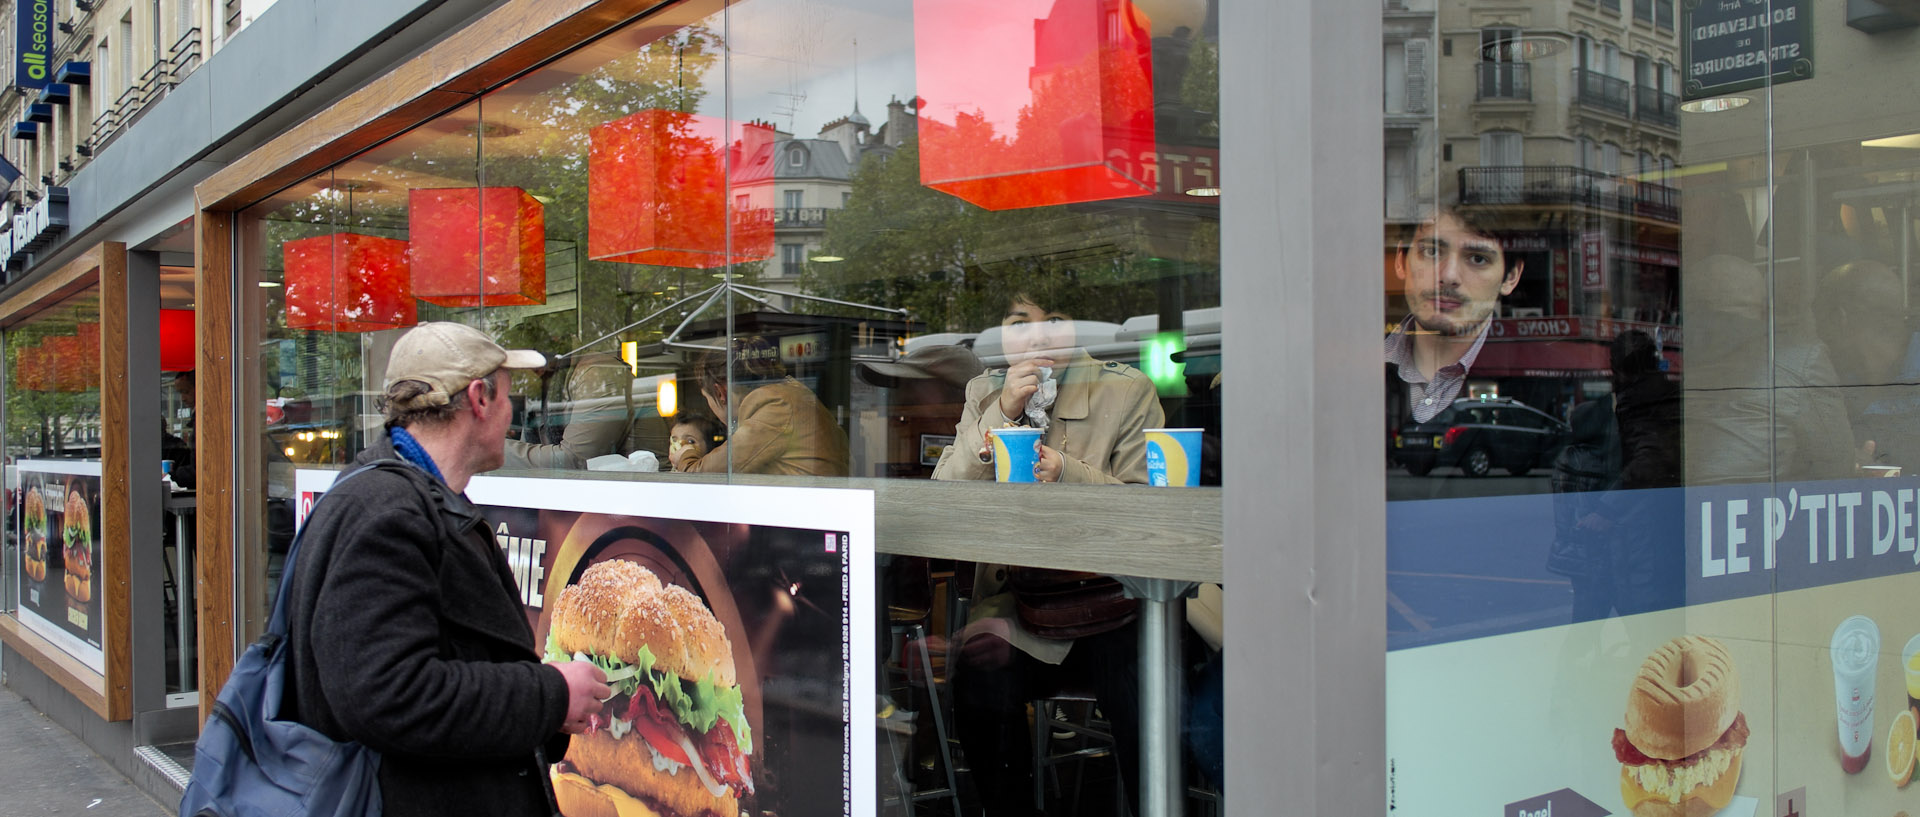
(1086, 738)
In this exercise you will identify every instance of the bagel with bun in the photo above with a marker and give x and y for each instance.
(673, 740)
(77, 530)
(1680, 751)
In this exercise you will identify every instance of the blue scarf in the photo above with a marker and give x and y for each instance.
(410, 450)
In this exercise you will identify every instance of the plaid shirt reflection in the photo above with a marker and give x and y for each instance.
(1430, 397)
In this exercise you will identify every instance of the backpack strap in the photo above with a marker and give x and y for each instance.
(277, 625)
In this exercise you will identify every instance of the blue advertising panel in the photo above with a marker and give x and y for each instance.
(1734, 45)
(34, 24)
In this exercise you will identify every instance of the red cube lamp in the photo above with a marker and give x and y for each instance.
(372, 290)
(176, 340)
(657, 190)
(477, 246)
(1035, 102)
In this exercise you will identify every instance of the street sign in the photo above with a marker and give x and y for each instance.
(1734, 45)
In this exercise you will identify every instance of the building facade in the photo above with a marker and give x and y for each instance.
(1643, 303)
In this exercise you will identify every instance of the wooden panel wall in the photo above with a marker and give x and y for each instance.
(116, 472)
(213, 451)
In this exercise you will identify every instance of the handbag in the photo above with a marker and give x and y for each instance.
(1068, 604)
(250, 762)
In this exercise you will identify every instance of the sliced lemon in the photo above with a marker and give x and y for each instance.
(1900, 740)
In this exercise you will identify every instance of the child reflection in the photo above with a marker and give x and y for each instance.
(1092, 414)
(692, 436)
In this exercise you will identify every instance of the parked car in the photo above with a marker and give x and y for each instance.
(1479, 435)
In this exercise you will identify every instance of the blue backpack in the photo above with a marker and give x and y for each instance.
(249, 762)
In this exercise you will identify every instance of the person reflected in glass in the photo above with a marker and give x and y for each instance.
(1455, 272)
(601, 414)
(1582, 548)
(1647, 564)
(779, 425)
(1092, 414)
(1860, 314)
(693, 435)
(1760, 398)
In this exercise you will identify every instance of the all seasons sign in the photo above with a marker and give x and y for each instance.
(35, 25)
(1733, 45)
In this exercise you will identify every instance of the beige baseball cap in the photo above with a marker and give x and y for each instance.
(448, 356)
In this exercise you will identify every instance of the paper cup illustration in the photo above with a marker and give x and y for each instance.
(1173, 456)
(1014, 454)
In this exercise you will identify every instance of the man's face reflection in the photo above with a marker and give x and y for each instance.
(1454, 278)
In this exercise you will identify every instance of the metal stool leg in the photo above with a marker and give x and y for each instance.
(939, 719)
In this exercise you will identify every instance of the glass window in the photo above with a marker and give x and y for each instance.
(1018, 208)
(1699, 307)
(53, 437)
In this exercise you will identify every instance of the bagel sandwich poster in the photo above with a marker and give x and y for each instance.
(745, 637)
(1727, 708)
(58, 517)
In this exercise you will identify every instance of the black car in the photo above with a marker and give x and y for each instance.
(1479, 435)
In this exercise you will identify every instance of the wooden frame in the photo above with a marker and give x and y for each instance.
(109, 695)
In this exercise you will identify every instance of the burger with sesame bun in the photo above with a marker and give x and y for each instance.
(673, 740)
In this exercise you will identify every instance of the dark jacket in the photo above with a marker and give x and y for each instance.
(408, 635)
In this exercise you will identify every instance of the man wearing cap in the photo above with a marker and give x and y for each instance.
(406, 629)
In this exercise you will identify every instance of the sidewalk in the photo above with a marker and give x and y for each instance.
(46, 770)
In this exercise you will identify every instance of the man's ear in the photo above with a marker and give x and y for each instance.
(1513, 278)
(1400, 262)
(717, 391)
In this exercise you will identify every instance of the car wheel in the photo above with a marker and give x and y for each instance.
(1477, 463)
(1419, 469)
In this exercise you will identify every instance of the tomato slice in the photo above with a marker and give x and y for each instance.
(656, 725)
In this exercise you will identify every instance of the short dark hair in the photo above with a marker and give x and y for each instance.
(1477, 221)
(403, 408)
(709, 427)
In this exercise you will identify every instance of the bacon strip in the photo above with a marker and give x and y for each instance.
(1630, 755)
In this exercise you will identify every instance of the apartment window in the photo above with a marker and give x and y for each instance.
(1395, 75)
(790, 199)
(103, 94)
(126, 52)
(1643, 10)
(791, 256)
(1399, 173)
(1667, 85)
(1663, 14)
(158, 50)
(1610, 159)
(1587, 154)
(1643, 75)
(797, 157)
(1500, 148)
(845, 198)
(742, 202)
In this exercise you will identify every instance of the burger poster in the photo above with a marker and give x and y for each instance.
(735, 623)
(58, 519)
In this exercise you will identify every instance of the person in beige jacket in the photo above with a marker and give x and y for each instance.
(1092, 413)
(779, 427)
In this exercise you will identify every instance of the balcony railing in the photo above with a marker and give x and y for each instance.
(1562, 185)
(1506, 80)
(153, 85)
(1597, 90)
(799, 217)
(1650, 105)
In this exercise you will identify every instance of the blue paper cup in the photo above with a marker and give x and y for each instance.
(1173, 456)
(1014, 453)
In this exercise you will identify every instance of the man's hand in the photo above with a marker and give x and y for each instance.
(586, 689)
(1023, 380)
